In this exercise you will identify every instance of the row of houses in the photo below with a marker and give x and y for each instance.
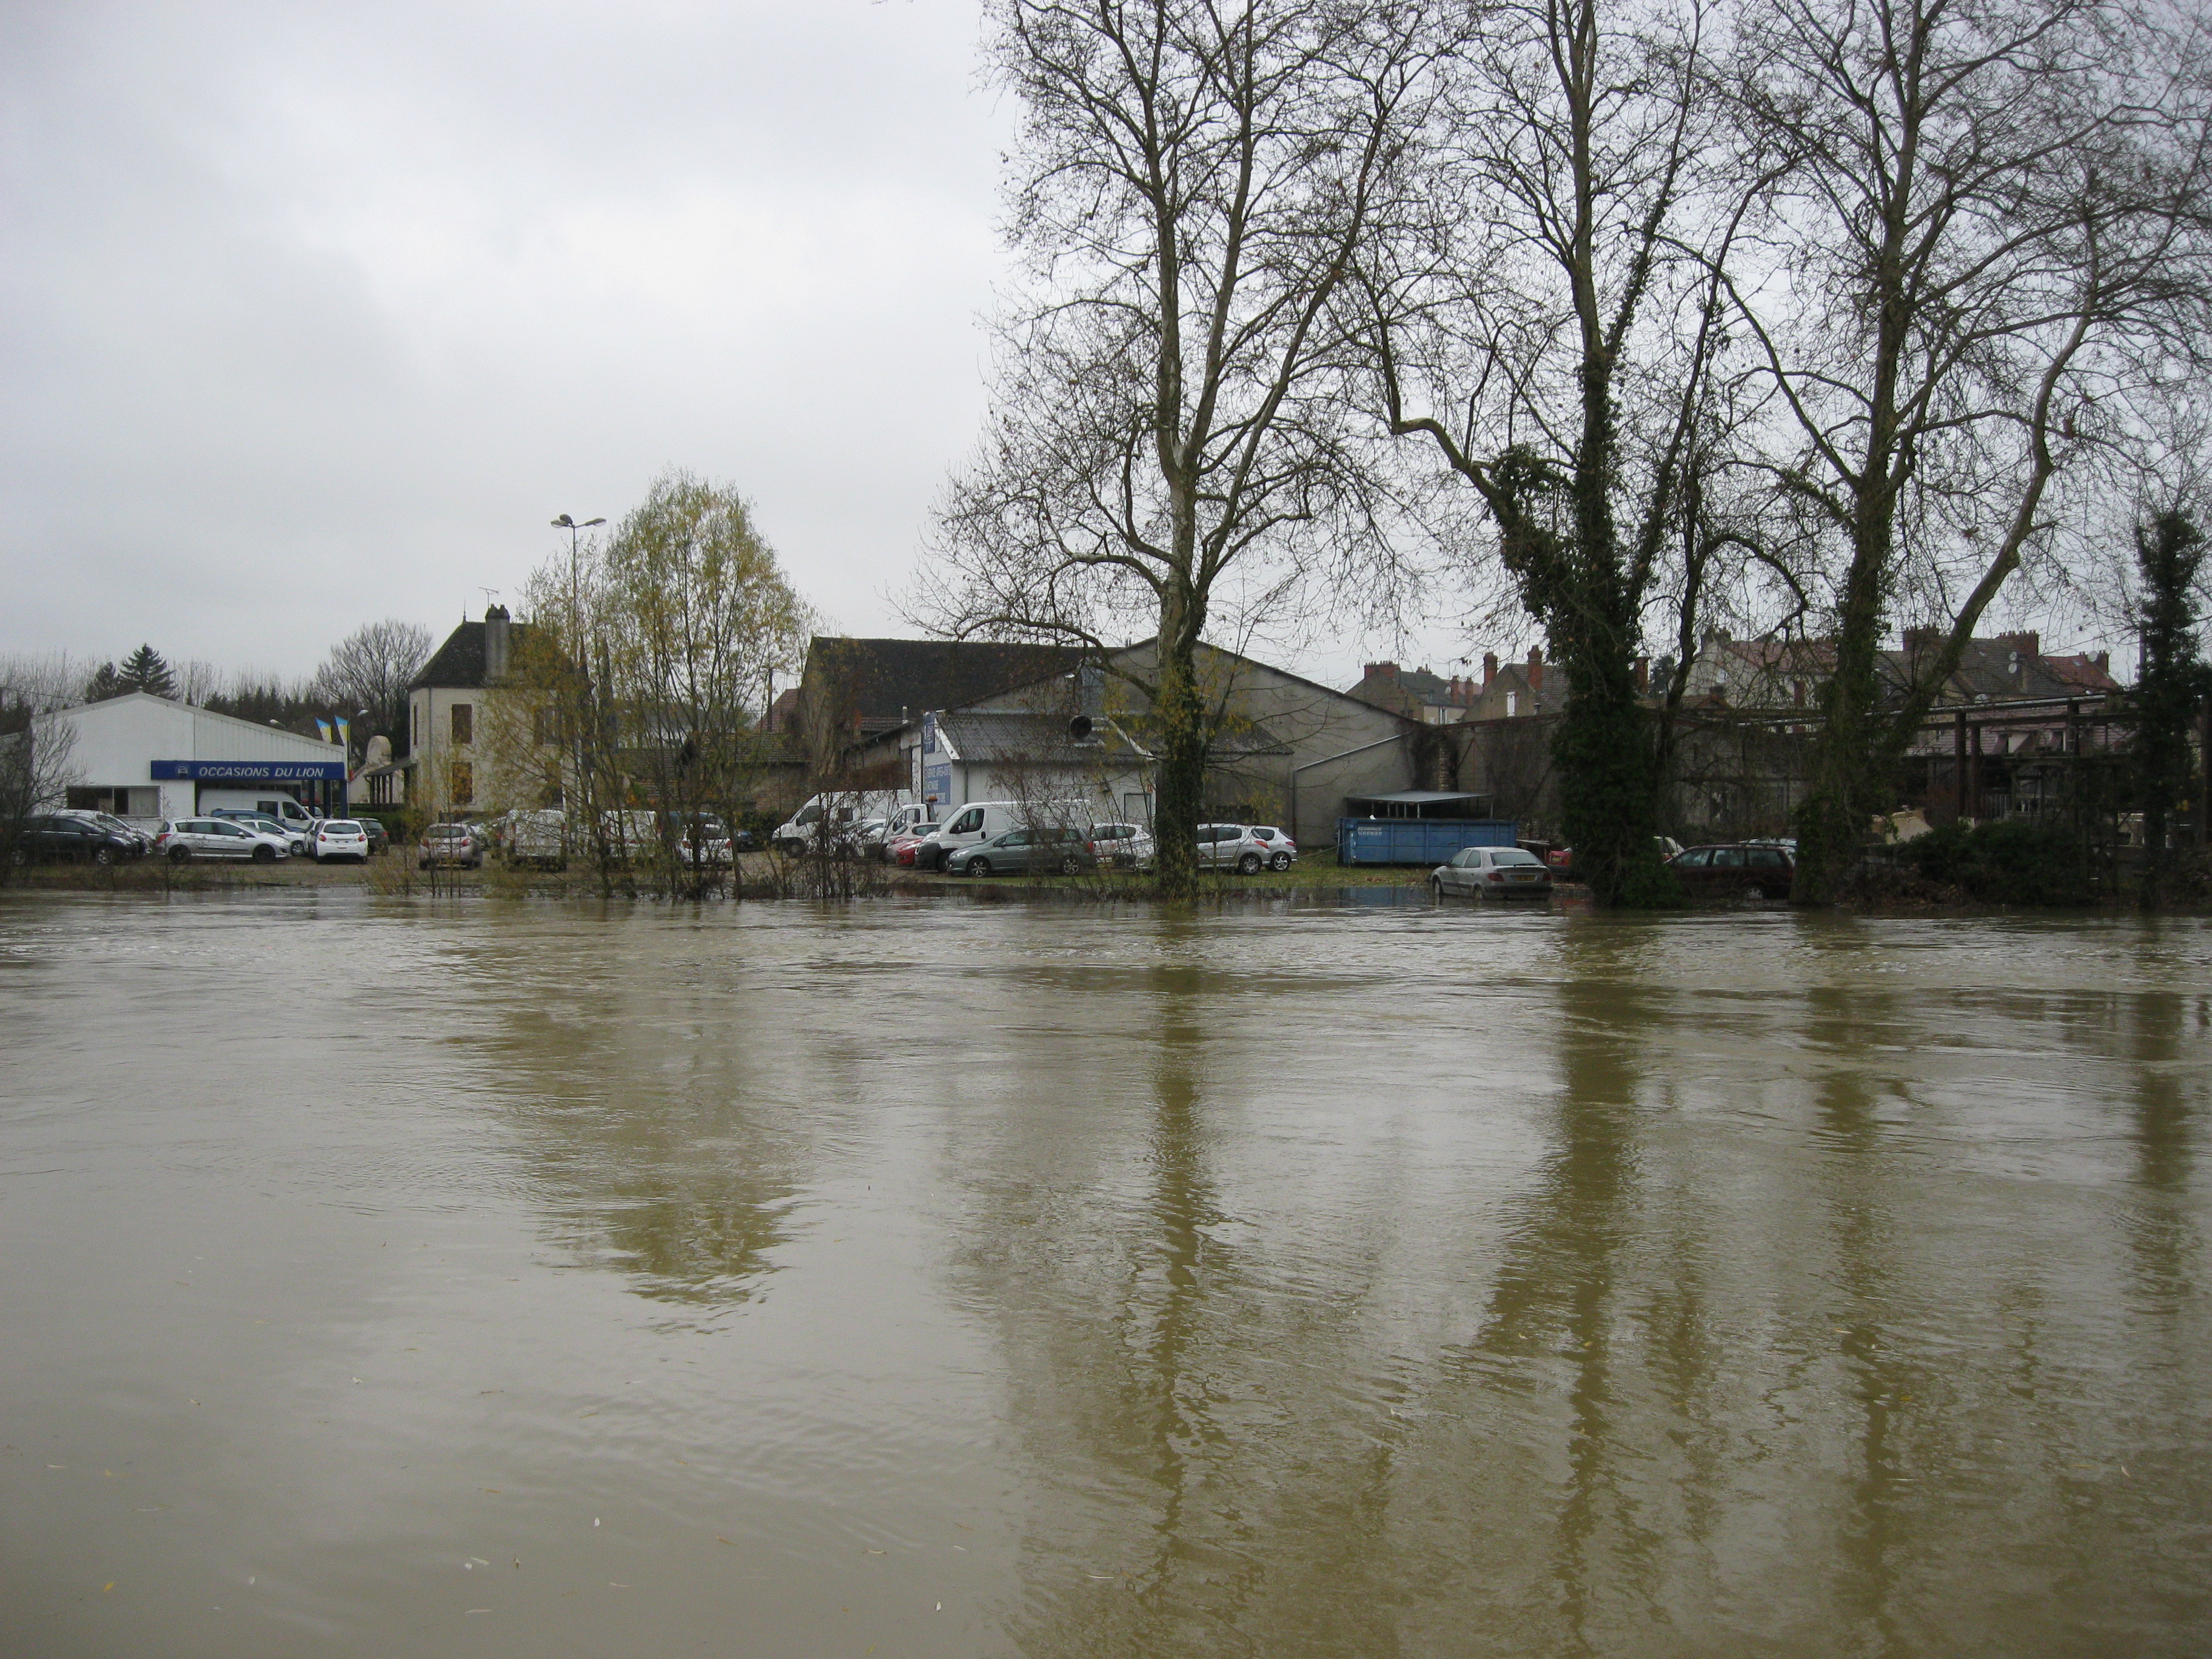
(953, 722)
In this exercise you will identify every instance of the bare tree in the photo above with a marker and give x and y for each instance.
(37, 767)
(1989, 247)
(1554, 344)
(371, 668)
(1170, 440)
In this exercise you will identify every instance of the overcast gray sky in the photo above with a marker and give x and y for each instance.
(315, 313)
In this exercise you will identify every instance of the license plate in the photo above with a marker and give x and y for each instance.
(1524, 875)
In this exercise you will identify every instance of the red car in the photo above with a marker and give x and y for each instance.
(899, 849)
(1740, 869)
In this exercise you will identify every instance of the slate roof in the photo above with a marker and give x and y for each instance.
(991, 734)
(872, 680)
(460, 660)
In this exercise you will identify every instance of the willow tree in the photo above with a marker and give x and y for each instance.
(1989, 249)
(648, 665)
(1552, 339)
(1169, 439)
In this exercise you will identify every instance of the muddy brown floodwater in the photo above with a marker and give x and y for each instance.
(386, 1276)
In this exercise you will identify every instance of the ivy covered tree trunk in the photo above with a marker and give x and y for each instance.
(2173, 683)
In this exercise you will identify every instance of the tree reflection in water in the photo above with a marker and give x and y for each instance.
(652, 1136)
(1680, 1309)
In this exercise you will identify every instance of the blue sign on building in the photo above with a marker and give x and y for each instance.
(252, 771)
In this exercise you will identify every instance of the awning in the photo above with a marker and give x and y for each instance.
(1417, 804)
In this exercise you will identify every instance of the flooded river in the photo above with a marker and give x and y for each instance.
(388, 1276)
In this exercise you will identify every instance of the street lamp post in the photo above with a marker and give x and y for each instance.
(585, 714)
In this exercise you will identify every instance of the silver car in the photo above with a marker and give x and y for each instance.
(1491, 873)
(1241, 847)
(219, 838)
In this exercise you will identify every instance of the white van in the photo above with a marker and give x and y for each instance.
(979, 820)
(827, 815)
(269, 803)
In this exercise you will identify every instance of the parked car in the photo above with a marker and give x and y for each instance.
(1234, 847)
(1024, 851)
(449, 843)
(1737, 869)
(114, 825)
(70, 838)
(380, 838)
(219, 838)
(1125, 846)
(1491, 873)
(339, 838)
(540, 838)
(901, 849)
(298, 839)
(1285, 851)
(702, 839)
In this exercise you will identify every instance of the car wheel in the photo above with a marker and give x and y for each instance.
(19, 858)
(1280, 861)
(1249, 865)
(1436, 887)
(264, 855)
(103, 855)
(178, 855)
(978, 866)
(1755, 893)
(1070, 865)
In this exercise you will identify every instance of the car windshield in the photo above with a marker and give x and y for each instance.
(1513, 855)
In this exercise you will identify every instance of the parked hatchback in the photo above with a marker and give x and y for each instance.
(1736, 870)
(298, 838)
(1023, 852)
(340, 838)
(1234, 847)
(219, 838)
(378, 837)
(1282, 851)
(67, 838)
(1126, 845)
(449, 843)
(1491, 873)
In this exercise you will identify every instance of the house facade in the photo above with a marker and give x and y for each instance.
(472, 745)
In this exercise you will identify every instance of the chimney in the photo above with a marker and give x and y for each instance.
(2029, 644)
(495, 643)
(1535, 668)
(1643, 676)
(1382, 671)
(2103, 662)
(1489, 668)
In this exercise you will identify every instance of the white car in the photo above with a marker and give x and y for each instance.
(1492, 872)
(218, 838)
(1125, 846)
(339, 838)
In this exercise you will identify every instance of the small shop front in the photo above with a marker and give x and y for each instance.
(319, 785)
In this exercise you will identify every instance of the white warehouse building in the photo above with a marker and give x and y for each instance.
(145, 756)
